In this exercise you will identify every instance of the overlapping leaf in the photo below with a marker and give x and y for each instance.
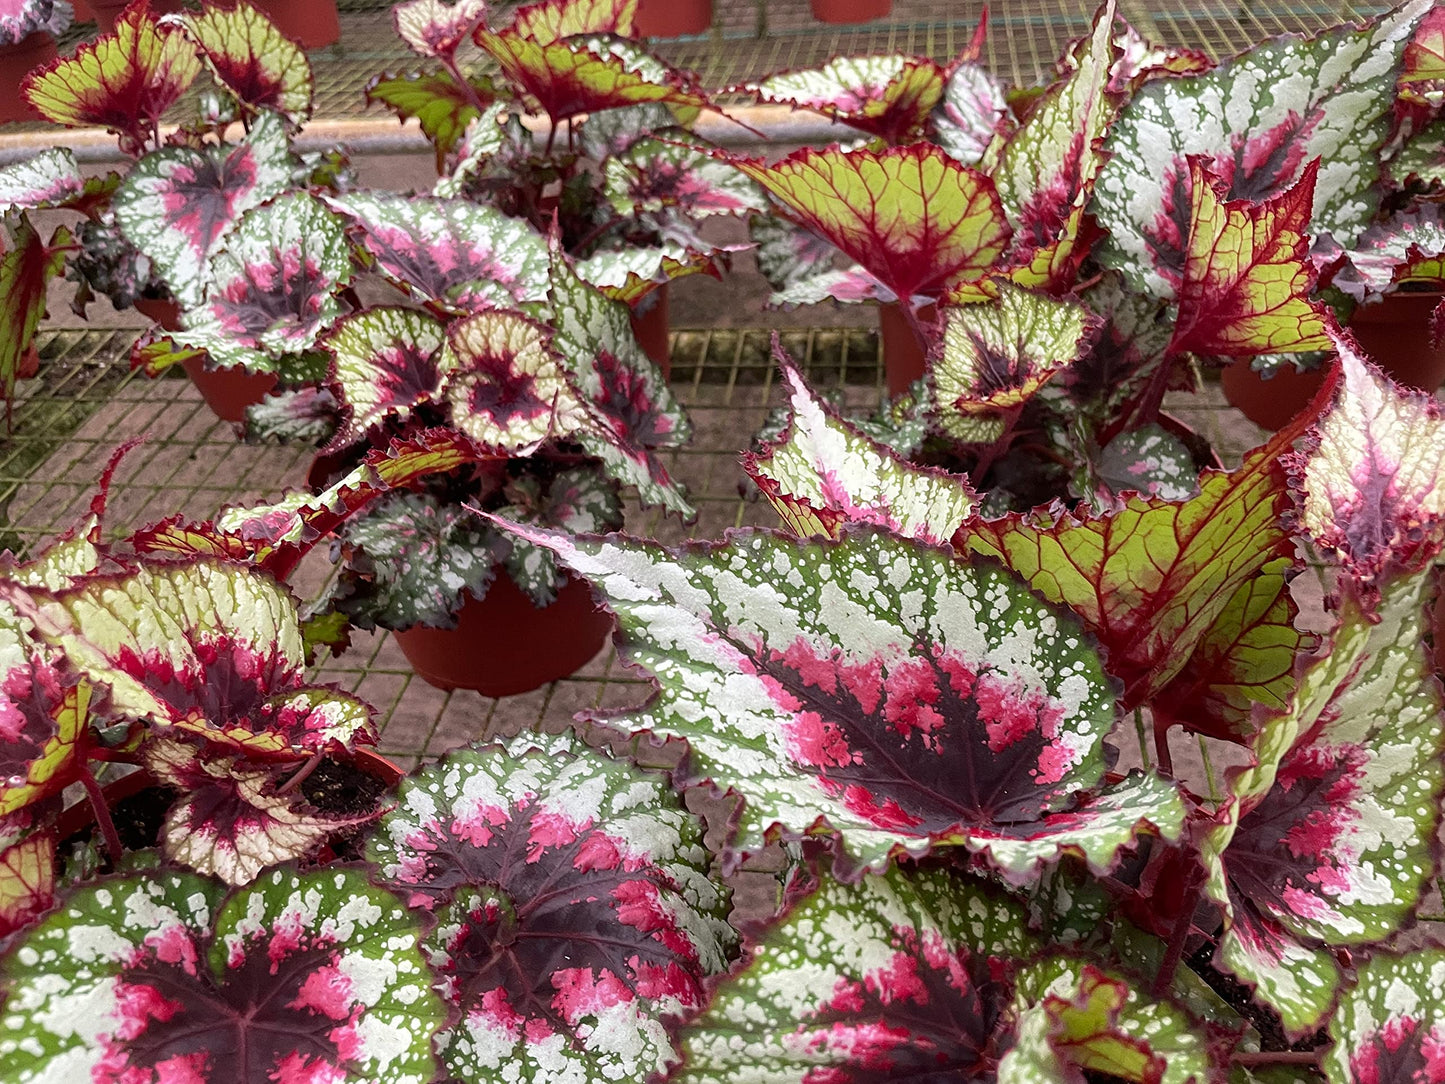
(1388, 1026)
(798, 261)
(212, 649)
(662, 181)
(901, 976)
(442, 106)
(877, 690)
(1408, 247)
(1244, 286)
(27, 875)
(579, 75)
(177, 204)
(913, 217)
(630, 273)
(435, 28)
(49, 179)
(973, 112)
(579, 500)
(889, 97)
(252, 59)
(305, 415)
(1258, 119)
(316, 973)
(824, 473)
(997, 356)
(1150, 578)
(465, 255)
(25, 273)
(1149, 460)
(19, 20)
(552, 20)
(575, 903)
(275, 286)
(124, 81)
(383, 366)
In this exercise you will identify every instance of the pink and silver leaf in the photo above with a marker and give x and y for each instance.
(463, 255)
(306, 415)
(178, 204)
(575, 904)
(49, 179)
(1149, 460)
(822, 473)
(887, 96)
(632, 272)
(580, 500)
(436, 28)
(974, 113)
(1388, 1028)
(297, 977)
(251, 58)
(1257, 119)
(383, 367)
(275, 285)
(902, 976)
(660, 180)
(876, 684)
(1408, 247)
(788, 254)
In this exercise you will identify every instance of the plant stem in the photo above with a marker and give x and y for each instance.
(301, 774)
(473, 99)
(998, 447)
(1153, 397)
(1143, 739)
(581, 246)
(1208, 769)
(1161, 744)
(1275, 1057)
(102, 815)
(1178, 938)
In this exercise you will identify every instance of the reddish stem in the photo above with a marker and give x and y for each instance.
(1276, 1057)
(1165, 762)
(1178, 938)
(301, 774)
(102, 815)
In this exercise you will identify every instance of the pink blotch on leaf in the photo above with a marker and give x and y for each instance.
(815, 742)
(898, 980)
(327, 991)
(889, 815)
(580, 993)
(476, 826)
(552, 829)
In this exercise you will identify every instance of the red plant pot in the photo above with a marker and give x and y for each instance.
(903, 357)
(314, 24)
(15, 62)
(672, 18)
(503, 644)
(228, 392)
(850, 11)
(652, 325)
(162, 310)
(1271, 403)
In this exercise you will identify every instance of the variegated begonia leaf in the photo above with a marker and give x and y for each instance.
(27, 874)
(1388, 1026)
(1407, 247)
(1245, 284)
(822, 473)
(551, 20)
(230, 819)
(1329, 839)
(580, 500)
(658, 180)
(631, 409)
(575, 908)
(275, 285)
(21, 18)
(383, 366)
(587, 74)
(888, 96)
(251, 58)
(210, 648)
(1124, 359)
(123, 81)
(789, 256)
(973, 113)
(49, 179)
(1149, 577)
(26, 269)
(601, 135)
(875, 690)
(1258, 120)
(1421, 161)
(176, 205)
(420, 558)
(505, 385)
(442, 106)
(162, 976)
(902, 976)
(1372, 492)
(466, 255)
(996, 357)
(437, 28)
(1149, 460)
(1074, 1019)
(1140, 60)
(630, 273)
(306, 415)
(1045, 170)
(913, 217)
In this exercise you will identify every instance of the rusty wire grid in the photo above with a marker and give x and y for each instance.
(69, 420)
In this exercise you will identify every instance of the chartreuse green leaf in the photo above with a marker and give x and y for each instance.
(443, 107)
(252, 59)
(551, 20)
(915, 219)
(1257, 120)
(177, 204)
(466, 255)
(1150, 577)
(996, 356)
(383, 366)
(27, 877)
(1389, 1026)
(1245, 282)
(163, 976)
(49, 179)
(124, 81)
(824, 473)
(901, 976)
(274, 287)
(889, 96)
(876, 690)
(575, 908)
(1073, 1018)
(25, 274)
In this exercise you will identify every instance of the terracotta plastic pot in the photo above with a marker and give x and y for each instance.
(850, 11)
(1393, 332)
(504, 645)
(652, 324)
(162, 310)
(312, 23)
(672, 18)
(15, 61)
(903, 356)
(228, 392)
